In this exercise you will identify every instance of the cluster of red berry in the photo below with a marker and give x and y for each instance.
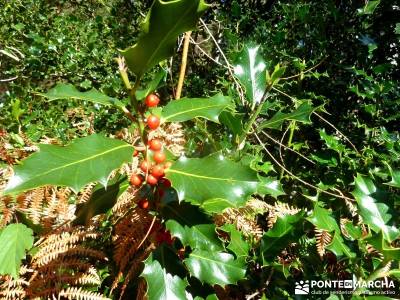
(153, 166)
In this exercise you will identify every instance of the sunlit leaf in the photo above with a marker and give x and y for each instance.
(189, 108)
(163, 24)
(15, 239)
(85, 160)
(250, 70)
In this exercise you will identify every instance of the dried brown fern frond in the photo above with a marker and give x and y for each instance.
(172, 136)
(14, 289)
(80, 294)
(131, 246)
(278, 210)
(323, 238)
(65, 261)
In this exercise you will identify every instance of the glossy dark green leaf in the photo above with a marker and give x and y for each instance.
(65, 91)
(270, 186)
(374, 214)
(322, 219)
(237, 243)
(201, 236)
(232, 121)
(189, 108)
(278, 237)
(101, 200)
(163, 24)
(15, 239)
(152, 86)
(381, 244)
(185, 213)
(85, 160)
(332, 142)
(395, 174)
(301, 114)
(338, 247)
(162, 285)
(215, 267)
(213, 177)
(250, 70)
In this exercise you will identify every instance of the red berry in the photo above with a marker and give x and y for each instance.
(153, 122)
(136, 180)
(135, 152)
(145, 166)
(152, 100)
(159, 157)
(144, 204)
(155, 144)
(151, 180)
(157, 171)
(167, 165)
(165, 182)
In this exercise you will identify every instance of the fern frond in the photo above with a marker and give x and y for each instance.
(80, 294)
(323, 238)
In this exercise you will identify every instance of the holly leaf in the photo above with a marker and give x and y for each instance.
(213, 177)
(332, 142)
(162, 285)
(322, 219)
(395, 174)
(301, 114)
(374, 214)
(68, 91)
(152, 86)
(189, 108)
(379, 242)
(85, 160)
(102, 199)
(237, 243)
(15, 239)
(215, 267)
(201, 236)
(278, 237)
(250, 70)
(270, 186)
(338, 247)
(163, 24)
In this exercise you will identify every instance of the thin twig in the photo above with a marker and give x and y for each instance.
(147, 233)
(238, 86)
(296, 177)
(334, 127)
(208, 56)
(183, 65)
(306, 71)
(9, 79)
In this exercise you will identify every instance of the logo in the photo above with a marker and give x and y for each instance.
(302, 287)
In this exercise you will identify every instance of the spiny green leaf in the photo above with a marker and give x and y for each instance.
(215, 267)
(237, 243)
(15, 239)
(373, 213)
(68, 91)
(282, 233)
(201, 236)
(163, 24)
(213, 177)
(395, 174)
(338, 247)
(189, 108)
(270, 186)
(162, 285)
(322, 219)
(250, 70)
(85, 160)
(332, 142)
(301, 114)
(379, 242)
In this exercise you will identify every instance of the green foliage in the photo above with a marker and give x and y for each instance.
(212, 181)
(160, 29)
(15, 239)
(189, 108)
(83, 161)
